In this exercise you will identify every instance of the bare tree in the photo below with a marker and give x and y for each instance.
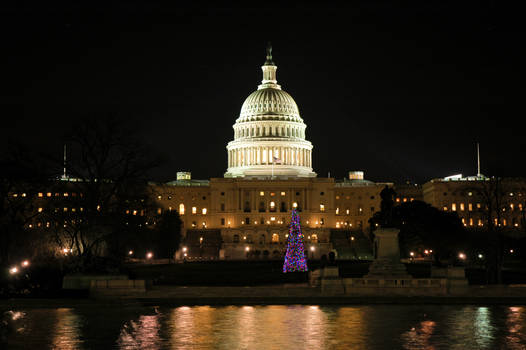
(22, 175)
(106, 178)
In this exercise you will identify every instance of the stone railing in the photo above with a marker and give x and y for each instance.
(404, 286)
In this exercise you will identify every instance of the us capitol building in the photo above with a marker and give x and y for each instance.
(269, 172)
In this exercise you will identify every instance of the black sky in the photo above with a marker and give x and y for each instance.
(401, 92)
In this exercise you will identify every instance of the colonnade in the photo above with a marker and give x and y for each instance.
(247, 156)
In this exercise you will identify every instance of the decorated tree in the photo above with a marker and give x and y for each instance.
(295, 257)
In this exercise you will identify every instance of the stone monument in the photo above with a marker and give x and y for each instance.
(386, 249)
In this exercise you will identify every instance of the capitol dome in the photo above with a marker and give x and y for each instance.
(269, 134)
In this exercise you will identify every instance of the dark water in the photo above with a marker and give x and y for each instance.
(272, 327)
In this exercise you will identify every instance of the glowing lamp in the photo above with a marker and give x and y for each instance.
(149, 255)
(247, 249)
(13, 270)
(462, 256)
(25, 263)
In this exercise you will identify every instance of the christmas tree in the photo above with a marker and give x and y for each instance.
(295, 256)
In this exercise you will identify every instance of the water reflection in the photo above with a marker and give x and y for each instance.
(141, 334)
(272, 327)
(515, 323)
(66, 333)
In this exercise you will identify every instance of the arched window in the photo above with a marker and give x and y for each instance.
(275, 238)
(181, 209)
(314, 238)
(272, 206)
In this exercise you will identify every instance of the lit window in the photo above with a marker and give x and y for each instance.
(478, 205)
(66, 194)
(445, 208)
(314, 238)
(272, 205)
(322, 221)
(159, 211)
(295, 205)
(203, 211)
(194, 210)
(275, 238)
(282, 193)
(347, 211)
(181, 209)
(15, 195)
(405, 200)
(470, 207)
(337, 211)
(23, 194)
(461, 206)
(261, 193)
(159, 197)
(48, 194)
(322, 207)
(40, 194)
(464, 221)
(511, 206)
(39, 210)
(65, 209)
(470, 221)
(272, 218)
(454, 207)
(504, 222)
(479, 222)
(397, 200)
(272, 194)
(135, 212)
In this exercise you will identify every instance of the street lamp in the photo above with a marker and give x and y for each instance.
(13, 270)
(149, 255)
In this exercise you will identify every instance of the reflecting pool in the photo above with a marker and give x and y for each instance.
(271, 327)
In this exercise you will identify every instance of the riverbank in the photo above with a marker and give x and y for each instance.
(271, 295)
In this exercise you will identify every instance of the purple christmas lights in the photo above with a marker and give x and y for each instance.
(295, 257)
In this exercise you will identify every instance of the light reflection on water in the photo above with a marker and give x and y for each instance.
(272, 327)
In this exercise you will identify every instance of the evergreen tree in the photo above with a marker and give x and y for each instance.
(295, 256)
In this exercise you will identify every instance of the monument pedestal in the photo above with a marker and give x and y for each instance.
(387, 262)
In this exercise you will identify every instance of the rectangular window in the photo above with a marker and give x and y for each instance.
(454, 207)
(282, 193)
(337, 211)
(322, 207)
(470, 221)
(261, 193)
(203, 211)
(247, 221)
(159, 211)
(478, 205)
(470, 207)
(461, 206)
(222, 206)
(222, 221)
(194, 210)
(347, 211)
(445, 208)
(40, 194)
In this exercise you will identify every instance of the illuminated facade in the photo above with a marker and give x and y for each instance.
(469, 198)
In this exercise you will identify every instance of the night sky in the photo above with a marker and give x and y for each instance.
(402, 93)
